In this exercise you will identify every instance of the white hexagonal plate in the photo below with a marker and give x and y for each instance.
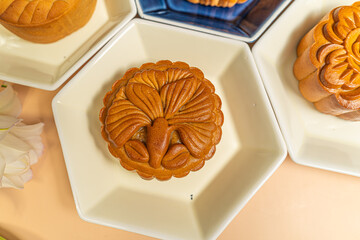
(200, 205)
(47, 66)
(313, 138)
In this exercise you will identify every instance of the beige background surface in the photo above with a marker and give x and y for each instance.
(296, 203)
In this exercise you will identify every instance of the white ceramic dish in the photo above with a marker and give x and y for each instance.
(250, 151)
(313, 139)
(47, 66)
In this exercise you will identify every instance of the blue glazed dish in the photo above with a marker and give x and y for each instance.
(244, 21)
(227, 14)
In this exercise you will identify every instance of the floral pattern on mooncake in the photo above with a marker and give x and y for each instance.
(328, 63)
(45, 21)
(25, 12)
(162, 120)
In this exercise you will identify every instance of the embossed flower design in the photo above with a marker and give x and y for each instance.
(33, 11)
(340, 57)
(328, 63)
(45, 21)
(163, 119)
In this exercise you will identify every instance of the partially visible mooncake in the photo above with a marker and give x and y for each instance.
(218, 3)
(45, 21)
(328, 63)
(162, 120)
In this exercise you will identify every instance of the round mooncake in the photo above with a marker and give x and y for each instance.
(45, 21)
(328, 63)
(162, 120)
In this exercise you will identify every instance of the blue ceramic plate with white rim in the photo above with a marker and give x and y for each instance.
(246, 21)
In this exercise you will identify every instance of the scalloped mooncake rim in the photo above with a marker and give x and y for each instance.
(181, 167)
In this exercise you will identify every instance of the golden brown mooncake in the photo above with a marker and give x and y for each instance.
(162, 120)
(328, 63)
(45, 21)
(218, 3)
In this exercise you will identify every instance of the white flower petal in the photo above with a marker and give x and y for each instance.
(3, 133)
(16, 172)
(6, 123)
(2, 168)
(18, 155)
(18, 167)
(33, 157)
(12, 182)
(31, 135)
(15, 142)
(20, 148)
(10, 154)
(9, 102)
(2, 165)
(28, 130)
(27, 176)
(20, 144)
